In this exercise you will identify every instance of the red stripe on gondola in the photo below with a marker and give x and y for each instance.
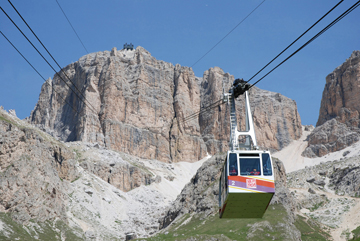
(222, 210)
(258, 181)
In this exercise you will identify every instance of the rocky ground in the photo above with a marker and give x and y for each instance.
(103, 210)
(327, 188)
(99, 194)
(329, 193)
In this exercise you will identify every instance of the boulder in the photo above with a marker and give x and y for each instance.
(310, 190)
(310, 179)
(319, 182)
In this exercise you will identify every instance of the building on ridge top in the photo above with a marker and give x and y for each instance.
(128, 46)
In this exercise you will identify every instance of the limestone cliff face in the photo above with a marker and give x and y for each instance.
(341, 91)
(339, 120)
(137, 105)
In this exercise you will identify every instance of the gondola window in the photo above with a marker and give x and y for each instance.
(266, 164)
(250, 166)
(233, 167)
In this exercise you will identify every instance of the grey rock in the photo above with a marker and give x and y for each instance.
(157, 179)
(310, 190)
(309, 128)
(170, 178)
(310, 179)
(121, 175)
(322, 173)
(90, 234)
(89, 191)
(12, 113)
(346, 179)
(329, 137)
(130, 236)
(319, 182)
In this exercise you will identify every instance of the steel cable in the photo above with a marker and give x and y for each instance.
(93, 109)
(349, 10)
(38, 73)
(296, 40)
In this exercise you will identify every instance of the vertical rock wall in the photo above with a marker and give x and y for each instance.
(342, 91)
(338, 125)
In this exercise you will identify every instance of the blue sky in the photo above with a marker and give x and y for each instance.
(181, 32)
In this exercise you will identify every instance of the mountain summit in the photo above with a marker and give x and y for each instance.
(137, 104)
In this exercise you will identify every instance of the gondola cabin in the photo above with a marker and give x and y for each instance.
(247, 178)
(246, 184)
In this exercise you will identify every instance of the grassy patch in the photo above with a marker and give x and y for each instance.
(211, 185)
(128, 159)
(4, 118)
(356, 234)
(44, 135)
(76, 179)
(77, 154)
(271, 227)
(316, 206)
(36, 231)
(310, 229)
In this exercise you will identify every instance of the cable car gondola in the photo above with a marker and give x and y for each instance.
(247, 178)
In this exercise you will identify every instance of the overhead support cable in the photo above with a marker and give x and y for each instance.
(38, 72)
(92, 109)
(296, 40)
(47, 52)
(349, 10)
(204, 109)
(228, 33)
(72, 26)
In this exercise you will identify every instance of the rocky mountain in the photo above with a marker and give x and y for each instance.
(137, 104)
(338, 125)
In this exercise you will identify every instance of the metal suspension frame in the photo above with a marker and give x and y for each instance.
(249, 124)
